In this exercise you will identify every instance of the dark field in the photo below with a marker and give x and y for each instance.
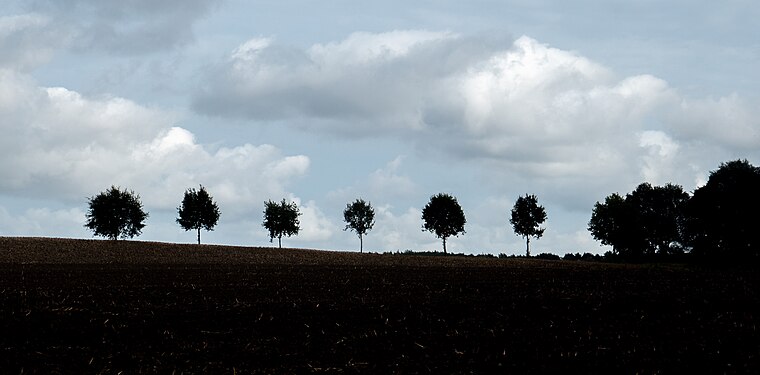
(75, 306)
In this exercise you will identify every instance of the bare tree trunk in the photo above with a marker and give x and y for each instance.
(527, 246)
(361, 244)
(279, 241)
(444, 245)
(199, 236)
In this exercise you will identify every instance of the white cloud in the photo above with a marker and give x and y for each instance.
(365, 83)
(42, 222)
(400, 232)
(730, 122)
(248, 51)
(552, 112)
(363, 48)
(659, 163)
(315, 226)
(528, 110)
(384, 185)
(551, 121)
(61, 145)
(387, 181)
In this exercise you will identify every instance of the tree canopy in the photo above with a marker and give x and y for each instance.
(723, 214)
(443, 216)
(281, 219)
(650, 220)
(527, 216)
(116, 213)
(659, 215)
(359, 217)
(198, 211)
(611, 223)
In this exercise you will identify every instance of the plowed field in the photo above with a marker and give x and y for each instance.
(79, 306)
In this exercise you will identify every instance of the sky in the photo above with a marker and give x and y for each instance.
(324, 102)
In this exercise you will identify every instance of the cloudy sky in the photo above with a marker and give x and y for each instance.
(323, 102)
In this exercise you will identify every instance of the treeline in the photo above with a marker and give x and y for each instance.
(117, 213)
(718, 222)
(586, 257)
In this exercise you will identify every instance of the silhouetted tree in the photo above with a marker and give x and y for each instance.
(360, 217)
(116, 213)
(724, 219)
(609, 222)
(281, 219)
(443, 216)
(526, 218)
(198, 211)
(660, 217)
(648, 221)
(612, 223)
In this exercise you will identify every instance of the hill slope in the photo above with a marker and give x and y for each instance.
(31, 250)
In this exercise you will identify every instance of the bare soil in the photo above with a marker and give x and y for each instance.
(89, 306)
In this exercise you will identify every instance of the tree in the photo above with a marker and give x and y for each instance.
(444, 217)
(611, 223)
(526, 218)
(116, 213)
(658, 212)
(723, 218)
(650, 220)
(281, 219)
(198, 211)
(360, 217)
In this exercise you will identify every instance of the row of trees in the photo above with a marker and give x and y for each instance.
(719, 220)
(118, 213)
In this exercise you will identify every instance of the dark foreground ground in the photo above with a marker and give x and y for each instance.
(93, 306)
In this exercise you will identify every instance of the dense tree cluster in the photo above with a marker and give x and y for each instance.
(724, 215)
(650, 220)
(718, 221)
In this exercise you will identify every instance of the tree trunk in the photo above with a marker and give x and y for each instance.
(279, 242)
(527, 246)
(444, 245)
(199, 236)
(361, 244)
